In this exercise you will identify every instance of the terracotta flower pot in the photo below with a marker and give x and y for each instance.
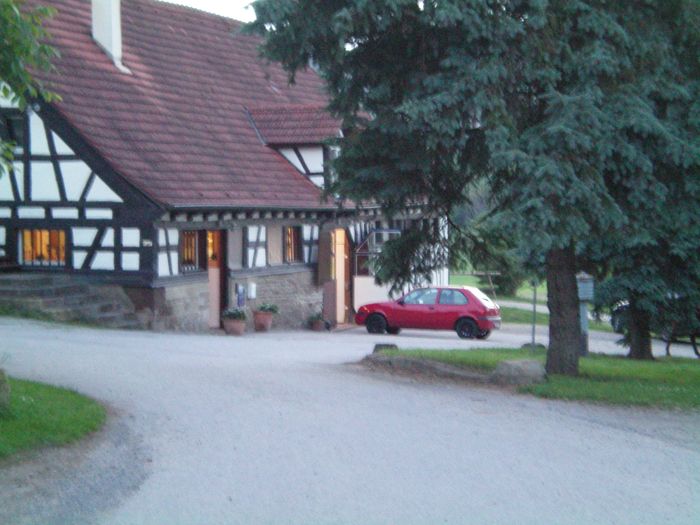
(234, 326)
(318, 325)
(262, 321)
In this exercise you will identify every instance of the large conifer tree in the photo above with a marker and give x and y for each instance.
(526, 94)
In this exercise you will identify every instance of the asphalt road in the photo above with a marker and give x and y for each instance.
(278, 428)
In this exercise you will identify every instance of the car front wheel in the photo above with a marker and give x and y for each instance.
(483, 334)
(467, 329)
(376, 324)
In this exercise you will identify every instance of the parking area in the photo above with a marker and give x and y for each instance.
(282, 428)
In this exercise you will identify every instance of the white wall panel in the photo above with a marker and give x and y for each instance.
(79, 258)
(131, 237)
(173, 237)
(75, 176)
(5, 213)
(44, 186)
(175, 262)
(103, 260)
(318, 180)
(130, 261)
(61, 147)
(98, 213)
(39, 144)
(108, 239)
(6, 193)
(163, 268)
(30, 212)
(292, 157)
(64, 213)
(2, 235)
(100, 192)
(18, 174)
(84, 236)
(313, 158)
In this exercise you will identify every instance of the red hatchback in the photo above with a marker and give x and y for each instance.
(467, 310)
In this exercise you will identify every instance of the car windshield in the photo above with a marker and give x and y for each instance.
(482, 297)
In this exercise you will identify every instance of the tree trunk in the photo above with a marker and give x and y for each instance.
(564, 322)
(639, 333)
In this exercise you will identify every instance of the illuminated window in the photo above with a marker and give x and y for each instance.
(43, 247)
(293, 245)
(191, 245)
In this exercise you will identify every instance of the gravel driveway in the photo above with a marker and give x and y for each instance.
(276, 428)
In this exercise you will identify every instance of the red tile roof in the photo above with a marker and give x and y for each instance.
(177, 127)
(294, 124)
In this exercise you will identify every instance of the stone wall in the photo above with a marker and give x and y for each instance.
(293, 288)
(182, 306)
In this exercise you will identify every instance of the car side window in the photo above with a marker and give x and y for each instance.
(426, 296)
(452, 297)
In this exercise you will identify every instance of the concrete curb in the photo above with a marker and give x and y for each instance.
(424, 367)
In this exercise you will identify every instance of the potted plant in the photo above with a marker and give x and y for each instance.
(233, 320)
(262, 317)
(316, 322)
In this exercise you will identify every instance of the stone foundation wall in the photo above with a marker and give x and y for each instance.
(182, 306)
(293, 289)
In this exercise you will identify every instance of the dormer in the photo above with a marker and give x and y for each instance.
(298, 133)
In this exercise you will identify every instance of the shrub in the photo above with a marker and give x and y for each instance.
(237, 314)
(267, 307)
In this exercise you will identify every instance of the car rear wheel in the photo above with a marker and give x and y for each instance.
(376, 324)
(393, 331)
(467, 329)
(483, 334)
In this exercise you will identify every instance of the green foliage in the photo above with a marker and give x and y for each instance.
(652, 258)
(580, 116)
(237, 314)
(268, 307)
(23, 48)
(42, 415)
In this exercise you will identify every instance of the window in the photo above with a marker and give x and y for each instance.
(424, 296)
(452, 297)
(43, 247)
(191, 259)
(293, 252)
(12, 128)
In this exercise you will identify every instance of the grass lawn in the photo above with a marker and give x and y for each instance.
(42, 415)
(667, 382)
(516, 315)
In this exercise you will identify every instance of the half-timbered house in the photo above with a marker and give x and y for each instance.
(178, 167)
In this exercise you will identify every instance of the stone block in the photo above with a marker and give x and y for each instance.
(519, 373)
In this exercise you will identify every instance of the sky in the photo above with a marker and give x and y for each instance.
(231, 8)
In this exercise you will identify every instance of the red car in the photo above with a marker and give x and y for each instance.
(467, 310)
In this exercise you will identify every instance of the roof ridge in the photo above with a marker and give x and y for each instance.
(173, 4)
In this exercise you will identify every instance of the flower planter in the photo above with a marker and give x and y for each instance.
(318, 325)
(262, 321)
(234, 326)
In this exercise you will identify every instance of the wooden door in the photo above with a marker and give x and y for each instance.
(214, 269)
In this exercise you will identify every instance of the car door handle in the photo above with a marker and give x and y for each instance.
(431, 308)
